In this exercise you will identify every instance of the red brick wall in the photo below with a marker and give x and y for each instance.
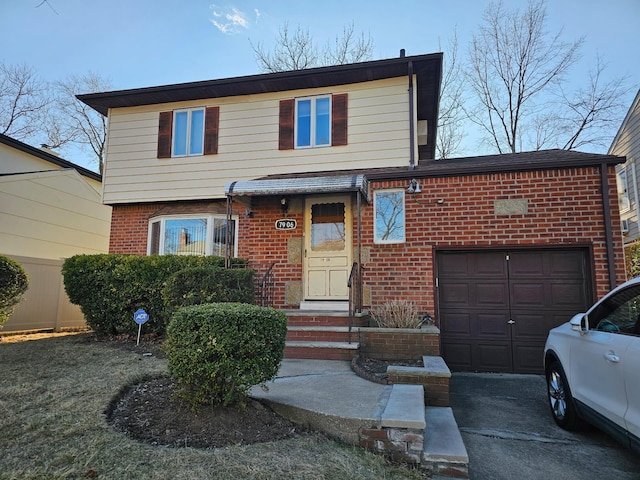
(262, 244)
(564, 208)
(130, 223)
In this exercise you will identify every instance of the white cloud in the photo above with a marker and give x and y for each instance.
(229, 20)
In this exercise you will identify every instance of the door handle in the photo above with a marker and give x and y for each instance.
(511, 322)
(612, 357)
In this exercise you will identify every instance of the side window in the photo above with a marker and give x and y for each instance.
(623, 190)
(388, 206)
(619, 314)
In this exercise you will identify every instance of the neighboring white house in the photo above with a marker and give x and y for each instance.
(627, 143)
(50, 209)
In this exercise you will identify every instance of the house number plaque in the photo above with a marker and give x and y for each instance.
(286, 224)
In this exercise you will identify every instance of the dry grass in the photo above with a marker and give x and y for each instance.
(396, 314)
(53, 392)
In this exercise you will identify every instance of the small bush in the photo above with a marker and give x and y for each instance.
(218, 351)
(632, 260)
(198, 285)
(13, 283)
(396, 314)
(110, 288)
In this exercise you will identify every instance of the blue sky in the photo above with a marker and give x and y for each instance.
(141, 43)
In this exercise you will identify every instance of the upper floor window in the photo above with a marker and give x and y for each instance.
(191, 235)
(388, 212)
(313, 122)
(188, 132)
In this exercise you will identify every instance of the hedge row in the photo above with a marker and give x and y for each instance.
(110, 288)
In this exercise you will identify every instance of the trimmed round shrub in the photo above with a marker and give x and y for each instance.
(197, 285)
(13, 283)
(218, 351)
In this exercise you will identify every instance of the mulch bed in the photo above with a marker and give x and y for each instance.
(375, 370)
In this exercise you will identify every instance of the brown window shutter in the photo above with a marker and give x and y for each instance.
(211, 123)
(339, 119)
(287, 110)
(165, 126)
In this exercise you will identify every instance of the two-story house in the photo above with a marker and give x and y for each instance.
(326, 180)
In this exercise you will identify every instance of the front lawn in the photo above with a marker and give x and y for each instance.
(53, 395)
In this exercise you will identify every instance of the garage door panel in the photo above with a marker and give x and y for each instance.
(528, 295)
(528, 358)
(528, 326)
(492, 324)
(460, 355)
(489, 264)
(493, 357)
(456, 295)
(526, 264)
(456, 323)
(566, 264)
(569, 295)
(491, 294)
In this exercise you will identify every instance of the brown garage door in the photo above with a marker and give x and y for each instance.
(496, 307)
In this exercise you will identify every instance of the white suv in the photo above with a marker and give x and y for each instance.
(592, 366)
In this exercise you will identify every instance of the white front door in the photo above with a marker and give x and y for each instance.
(327, 248)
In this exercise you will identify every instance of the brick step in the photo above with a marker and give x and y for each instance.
(324, 318)
(321, 334)
(320, 350)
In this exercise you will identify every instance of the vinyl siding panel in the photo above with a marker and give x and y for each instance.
(378, 136)
(52, 215)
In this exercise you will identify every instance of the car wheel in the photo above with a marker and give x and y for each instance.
(560, 399)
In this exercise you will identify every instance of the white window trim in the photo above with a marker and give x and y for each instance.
(210, 225)
(404, 217)
(313, 122)
(173, 132)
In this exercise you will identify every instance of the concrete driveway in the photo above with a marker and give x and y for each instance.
(509, 434)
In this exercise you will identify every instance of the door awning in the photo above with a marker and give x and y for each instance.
(299, 186)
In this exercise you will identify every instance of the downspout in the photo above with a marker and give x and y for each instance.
(359, 293)
(606, 207)
(412, 155)
(227, 251)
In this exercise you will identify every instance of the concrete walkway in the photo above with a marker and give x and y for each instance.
(326, 395)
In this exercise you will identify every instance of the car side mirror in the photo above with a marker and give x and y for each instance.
(580, 323)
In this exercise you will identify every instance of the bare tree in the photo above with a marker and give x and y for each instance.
(595, 110)
(78, 121)
(24, 101)
(297, 50)
(348, 48)
(451, 113)
(512, 61)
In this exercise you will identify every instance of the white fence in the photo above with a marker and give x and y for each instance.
(45, 305)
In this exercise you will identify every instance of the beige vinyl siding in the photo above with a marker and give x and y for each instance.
(52, 215)
(627, 143)
(248, 144)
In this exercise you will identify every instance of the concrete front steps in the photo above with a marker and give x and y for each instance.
(410, 432)
(320, 334)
